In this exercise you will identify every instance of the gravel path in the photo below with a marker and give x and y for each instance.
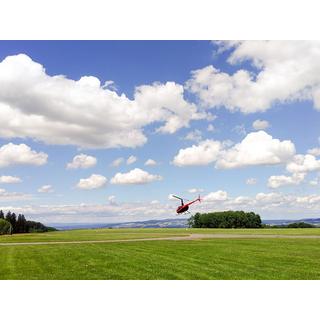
(174, 238)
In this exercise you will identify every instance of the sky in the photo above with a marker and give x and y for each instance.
(106, 131)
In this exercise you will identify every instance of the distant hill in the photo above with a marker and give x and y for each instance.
(314, 221)
(166, 223)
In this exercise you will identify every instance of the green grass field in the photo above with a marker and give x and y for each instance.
(166, 259)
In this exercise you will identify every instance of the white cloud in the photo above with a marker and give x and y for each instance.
(204, 153)
(95, 181)
(314, 151)
(240, 130)
(211, 128)
(269, 205)
(309, 199)
(282, 180)
(20, 154)
(13, 196)
(270, 198)
(9, 179)
(117, 162)
(62, 111)
(112, 200)
(194, 135)
(150, 162)
(135, 176)
(46, 189)
(303, 163)
(251, 181)
(257, 148)
(82, 161)
(131, 159)
(260, 124)
(314, 182)
(241, 200)
(216, 196)
(195, 190)
(276, 78)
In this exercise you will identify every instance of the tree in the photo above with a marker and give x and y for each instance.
(300, 225)
(12, 218)
(21, 225)
(194, 221)
(5, 227)
(225, 219)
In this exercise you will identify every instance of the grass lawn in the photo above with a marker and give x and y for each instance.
(196, 259)
(109, 234)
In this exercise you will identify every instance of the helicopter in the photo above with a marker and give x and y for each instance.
(185, 206)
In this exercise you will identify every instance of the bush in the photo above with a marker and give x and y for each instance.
(5, 227)
(225, 219)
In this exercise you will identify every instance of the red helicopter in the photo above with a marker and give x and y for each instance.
(185, 206)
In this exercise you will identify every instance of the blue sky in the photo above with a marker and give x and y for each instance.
(188, 105)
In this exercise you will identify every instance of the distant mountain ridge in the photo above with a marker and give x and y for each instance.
(314, 221)
(166, 223)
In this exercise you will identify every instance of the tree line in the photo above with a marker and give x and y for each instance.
(11, 223)
(291, 225)
(225, 219)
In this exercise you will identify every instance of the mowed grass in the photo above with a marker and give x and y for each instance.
(114, 234)
(92, 235)
(196, 259)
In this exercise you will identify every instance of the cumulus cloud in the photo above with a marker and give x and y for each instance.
(257, 148)
(240, 129)
(282, 180)
(13, 196)
(150, 162)
(131, 159)
(20, 154)
(251, 181)
(9, 179)
(269, 205)
(205, 152)
(195, 190)
(260, 124)
(216, 196)
(194, 135)
(303, 163)
(270, 198)
(314, 182)
(62, 111)
(282, 71)
(298, 166)
(46, 189)
(82, 161)
(314, 151)
(95, 181)
(112, 200)
(117, 162)
(135, 176)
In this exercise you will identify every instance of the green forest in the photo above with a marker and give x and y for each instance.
(225, 219)
(11, 223)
